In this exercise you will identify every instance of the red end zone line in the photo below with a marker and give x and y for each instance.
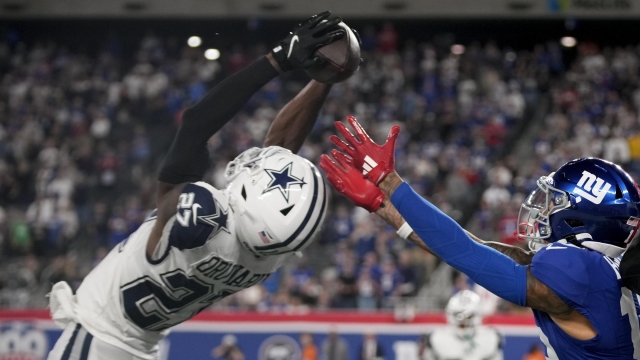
(335, 317)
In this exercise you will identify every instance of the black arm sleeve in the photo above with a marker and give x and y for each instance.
(188, 158)
(630, 268)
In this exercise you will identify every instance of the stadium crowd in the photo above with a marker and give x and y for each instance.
(592, 111)
(82, 136)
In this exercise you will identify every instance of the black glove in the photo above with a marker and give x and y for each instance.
(297, 50)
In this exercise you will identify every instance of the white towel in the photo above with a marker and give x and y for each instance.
(62, 304)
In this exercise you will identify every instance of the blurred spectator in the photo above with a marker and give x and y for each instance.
(368, 291)
(334, 347)
(535, 353)
(408, 274)
(390, 281)
(423, 347)
(339, 225)
(388, 38)
(309, 349)
(228, 349)
(83, 134)
(347, 287)
(371, 349)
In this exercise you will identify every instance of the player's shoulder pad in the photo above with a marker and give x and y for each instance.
(567, 257)
(570, 271)
(200, 216)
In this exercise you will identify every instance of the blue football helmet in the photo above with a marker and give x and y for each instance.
(592, 199)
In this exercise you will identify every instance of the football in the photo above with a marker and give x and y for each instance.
(343, 59)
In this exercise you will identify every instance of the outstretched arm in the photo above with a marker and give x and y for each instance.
(500, 274)
(441, 234)
(295, 120)
(188, 157)
(492, 270)
(390, 214)
(349, 181)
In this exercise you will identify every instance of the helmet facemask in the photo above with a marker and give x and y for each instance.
(251, 161)
(533, 220)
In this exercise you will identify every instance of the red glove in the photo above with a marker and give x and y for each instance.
(350, 183)
(373, 160)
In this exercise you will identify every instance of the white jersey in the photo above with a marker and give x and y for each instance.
(446, 344)
(130, 300)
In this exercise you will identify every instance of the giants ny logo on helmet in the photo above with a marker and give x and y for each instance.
(598, 192)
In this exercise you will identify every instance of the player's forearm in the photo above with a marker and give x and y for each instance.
(391, 215)
(222, 102)
(188, 159)
(491, 269)
(296, 119)
(519, 255)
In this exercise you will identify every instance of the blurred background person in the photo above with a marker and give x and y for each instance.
(309, 348)
(371, 349)
(535, 353)
(465, 337)
(334, 347)
(228, 349)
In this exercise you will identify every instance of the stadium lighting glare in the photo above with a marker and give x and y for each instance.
(457, 49)
(194, 41)
(212, 54)
(568, 41)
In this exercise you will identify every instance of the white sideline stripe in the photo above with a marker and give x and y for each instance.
(353, 328)
(308, 326)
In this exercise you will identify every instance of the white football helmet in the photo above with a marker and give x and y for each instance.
(464, 311)
(279, 200)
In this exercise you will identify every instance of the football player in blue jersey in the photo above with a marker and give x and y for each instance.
(579, 221)
(203, 244)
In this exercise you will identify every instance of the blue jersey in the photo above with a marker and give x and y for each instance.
(589, 282)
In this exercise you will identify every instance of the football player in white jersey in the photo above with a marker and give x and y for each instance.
(465, 338)
(203, 244)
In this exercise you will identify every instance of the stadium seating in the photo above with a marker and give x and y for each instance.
(83, 135)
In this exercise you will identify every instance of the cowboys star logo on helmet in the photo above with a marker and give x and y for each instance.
(272, 222)
(282, 179)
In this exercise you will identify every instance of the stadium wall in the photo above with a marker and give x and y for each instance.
(30, 334)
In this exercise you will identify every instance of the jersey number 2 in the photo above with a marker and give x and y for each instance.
(150, 305)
